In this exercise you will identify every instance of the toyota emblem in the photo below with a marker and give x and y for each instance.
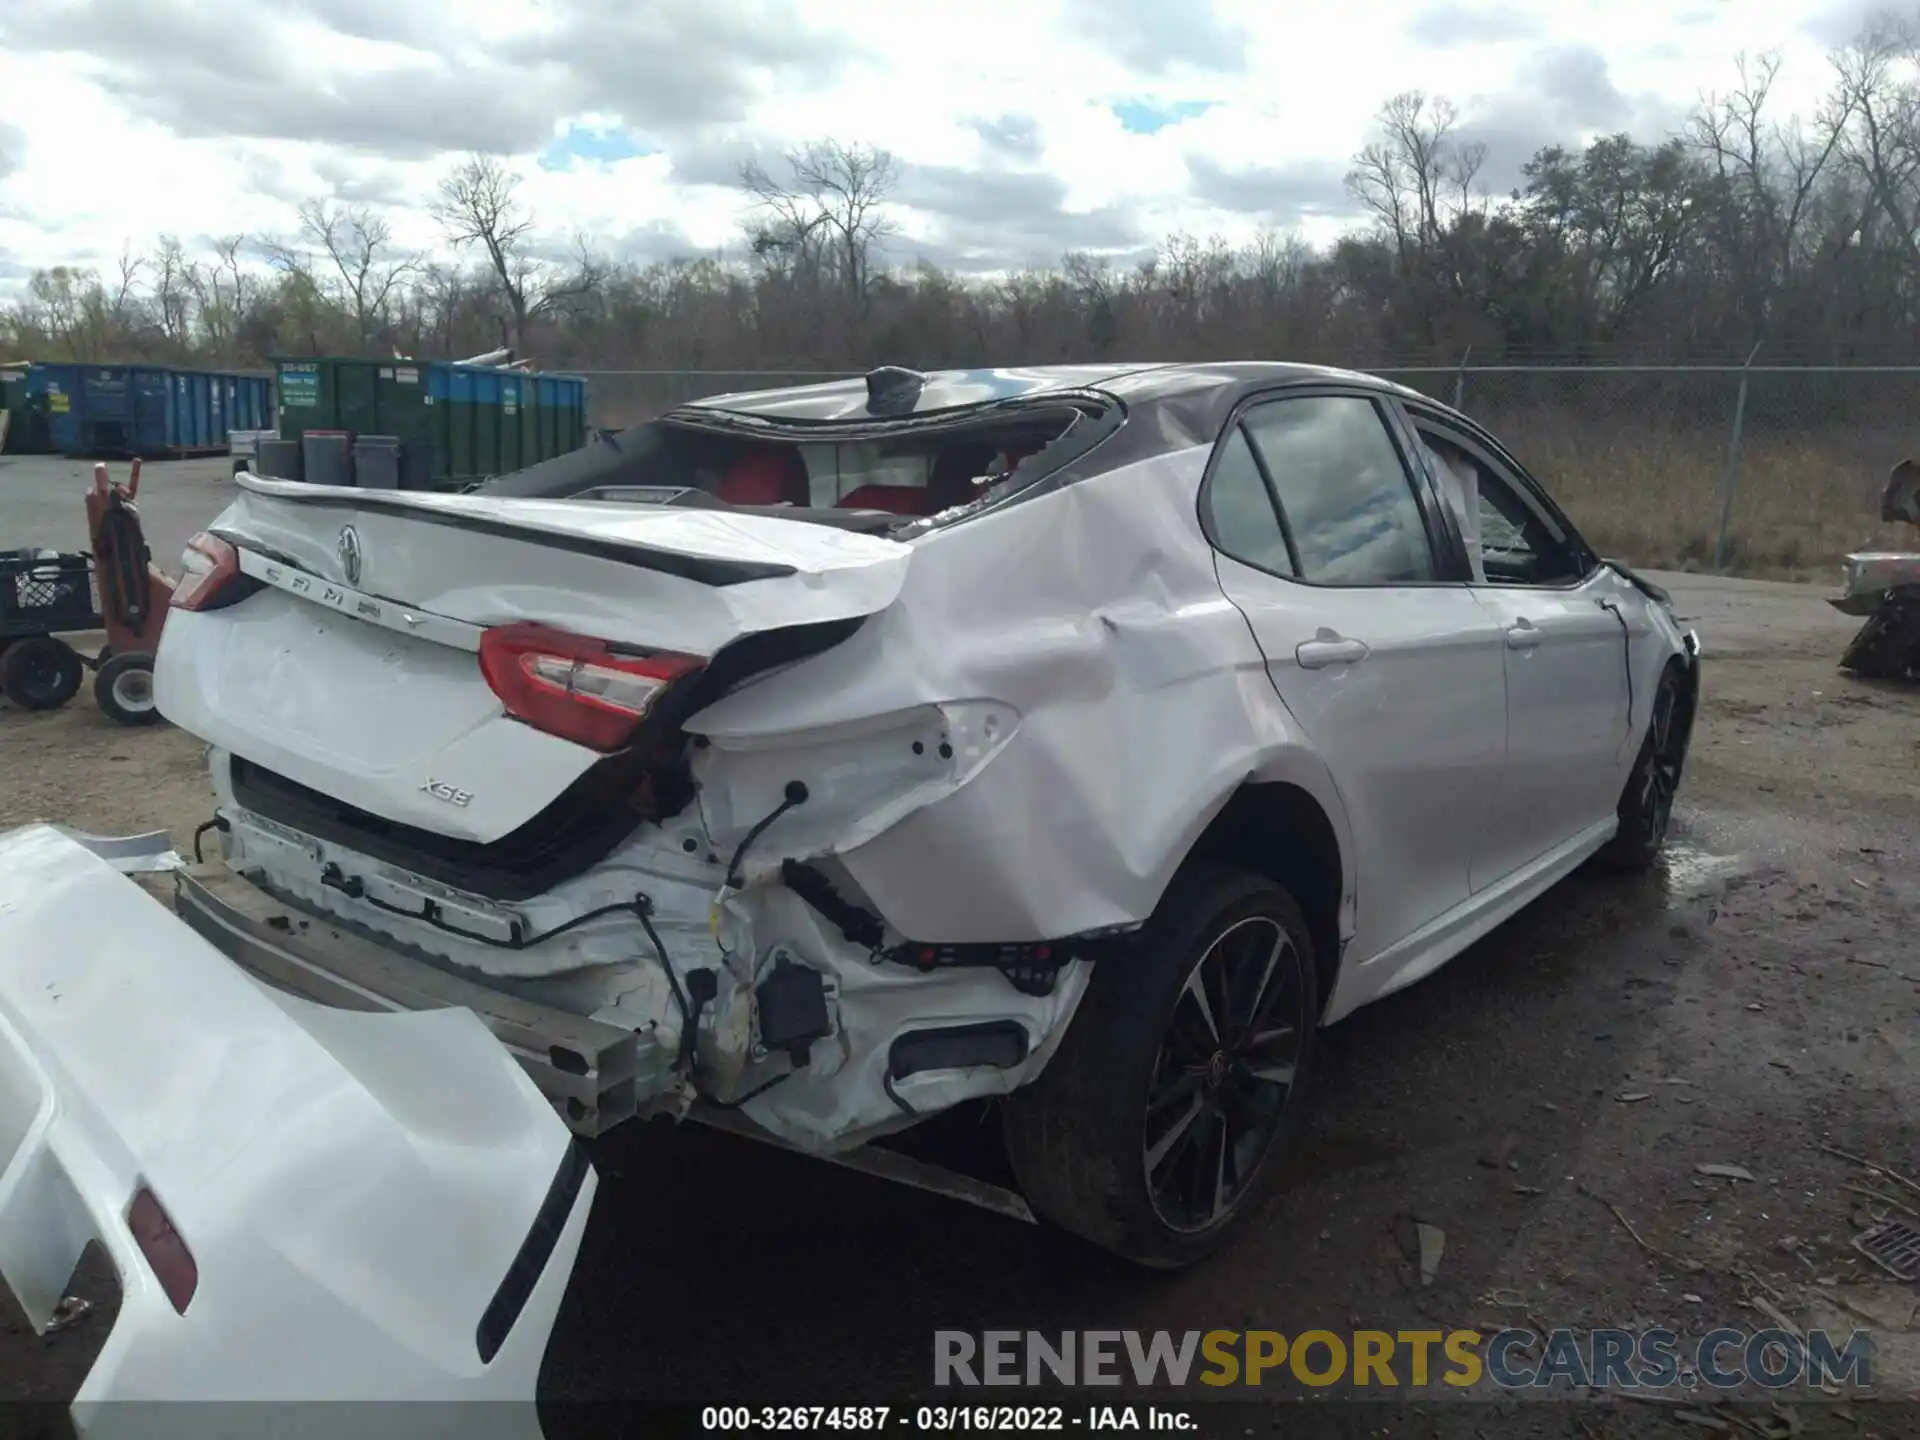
(349, 550)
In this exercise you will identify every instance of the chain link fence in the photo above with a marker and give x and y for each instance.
(1763, 470)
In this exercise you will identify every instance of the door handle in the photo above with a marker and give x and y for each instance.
(1523, 635)
(1328, 649)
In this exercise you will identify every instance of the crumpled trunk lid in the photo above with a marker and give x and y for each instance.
(649, 575)
(354, 670)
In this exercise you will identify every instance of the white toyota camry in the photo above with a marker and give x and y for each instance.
(822, 758)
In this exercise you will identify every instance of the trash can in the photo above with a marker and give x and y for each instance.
(376, 462)
(416, 465)
(277, 459)
(327, 457)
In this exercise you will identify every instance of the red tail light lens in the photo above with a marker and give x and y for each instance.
(173, 1264)
(210, 575)
(573, 687)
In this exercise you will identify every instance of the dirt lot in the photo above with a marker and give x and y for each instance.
(1545, 1100)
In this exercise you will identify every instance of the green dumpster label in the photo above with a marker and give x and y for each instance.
(299, 389)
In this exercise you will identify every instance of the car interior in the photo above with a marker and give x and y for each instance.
(873, 482)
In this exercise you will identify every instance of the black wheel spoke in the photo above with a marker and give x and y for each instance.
(1229, 1054)
(1223, 1170)
(1177, 1135)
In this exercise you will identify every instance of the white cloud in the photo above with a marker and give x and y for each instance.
(124, 119)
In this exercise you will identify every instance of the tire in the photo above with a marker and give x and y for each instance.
(1116, 1140)
(40, 673)
(123, 689)
(1646, 805)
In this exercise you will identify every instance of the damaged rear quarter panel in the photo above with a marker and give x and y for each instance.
(1102, 697)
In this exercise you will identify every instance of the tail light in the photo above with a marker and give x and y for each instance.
(173, 1264)
(210, 575)
(578, 689)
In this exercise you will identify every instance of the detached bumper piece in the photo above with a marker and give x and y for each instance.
(595, 1075)
(301, 1204)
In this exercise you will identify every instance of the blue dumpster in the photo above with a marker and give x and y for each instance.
(152, 411)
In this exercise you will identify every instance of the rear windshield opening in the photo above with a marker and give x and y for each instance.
(878, 481)
(911, 475)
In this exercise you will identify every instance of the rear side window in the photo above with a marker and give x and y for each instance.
(1349, 504)
(1240, 511)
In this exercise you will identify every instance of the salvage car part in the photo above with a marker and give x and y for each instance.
(300, 1203)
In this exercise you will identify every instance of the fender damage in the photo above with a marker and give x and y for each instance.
(301, 1203)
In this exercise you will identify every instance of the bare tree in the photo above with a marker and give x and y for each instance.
(478, 204)
(827, 209)
(173, 291)
(224, 292)
(119, 310)
(1415, 178)
(1772, 170)
(367, 272)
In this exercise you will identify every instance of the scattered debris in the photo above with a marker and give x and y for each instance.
(1887, 1200)
(1433, 1243)
(1691, 1298)
(1873, 1165)
(68, 1313)
(1754, 1279)
(1756, 1005)
(1630, 1097)
(1528, 1190)
(1702, 1419)
(1894, 1246)
(1625, 1223)
(1772, 1311)
(1725, 1172)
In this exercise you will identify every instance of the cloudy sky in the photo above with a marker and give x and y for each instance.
(1022, 127)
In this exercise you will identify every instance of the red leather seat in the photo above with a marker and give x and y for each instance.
(899, 499)
(765, 477)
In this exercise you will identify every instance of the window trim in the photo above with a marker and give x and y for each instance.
(1457, 430)
(1448, 551)
(1205, 500)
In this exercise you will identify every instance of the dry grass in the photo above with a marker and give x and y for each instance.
(1651, 497)
(1638, 467)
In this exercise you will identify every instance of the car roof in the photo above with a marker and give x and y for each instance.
(941, 390)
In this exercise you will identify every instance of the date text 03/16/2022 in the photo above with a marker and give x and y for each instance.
(945, 1419)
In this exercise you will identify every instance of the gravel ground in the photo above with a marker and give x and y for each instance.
(1545, 1100)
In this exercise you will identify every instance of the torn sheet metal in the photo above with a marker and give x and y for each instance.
(353, 1189)
(1869, 575)
(1104, 674)
(1127, 697)
(844, 1095)
(1901, 499)
(151, 853)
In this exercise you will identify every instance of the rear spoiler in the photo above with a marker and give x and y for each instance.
(478, 513)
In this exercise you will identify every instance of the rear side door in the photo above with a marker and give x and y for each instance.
(1331, 546)
(1565, 639)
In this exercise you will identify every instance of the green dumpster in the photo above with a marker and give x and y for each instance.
(472, 420)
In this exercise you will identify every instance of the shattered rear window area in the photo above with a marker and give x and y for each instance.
(878, 476)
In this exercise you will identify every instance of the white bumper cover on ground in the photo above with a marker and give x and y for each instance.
(364, 1195)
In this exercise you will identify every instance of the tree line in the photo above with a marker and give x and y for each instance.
(1749, 227)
